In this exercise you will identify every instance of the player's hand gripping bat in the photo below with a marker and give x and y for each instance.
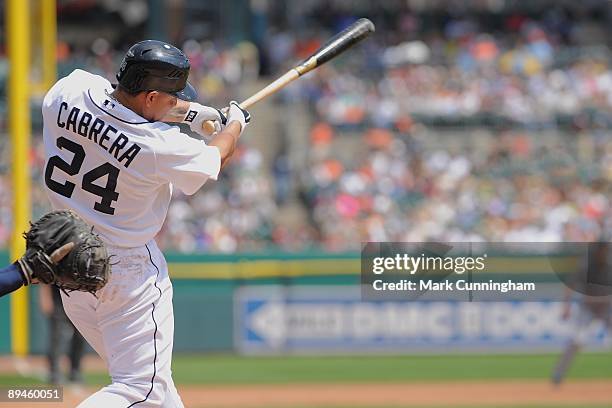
(335, 46)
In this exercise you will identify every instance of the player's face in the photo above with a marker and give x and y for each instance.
(157, 104)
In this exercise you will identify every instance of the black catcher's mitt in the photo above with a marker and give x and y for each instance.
(62, 249)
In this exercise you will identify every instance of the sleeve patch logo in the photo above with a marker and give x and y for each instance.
(191, 116)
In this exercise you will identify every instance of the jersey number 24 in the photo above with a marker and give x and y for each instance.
(107, 193)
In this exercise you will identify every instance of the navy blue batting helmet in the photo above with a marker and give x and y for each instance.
(153, 65)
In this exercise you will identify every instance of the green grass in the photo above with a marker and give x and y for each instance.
(214, 369)
(255, 370)
(10, 380)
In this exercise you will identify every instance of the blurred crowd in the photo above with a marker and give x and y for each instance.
(529, 74)
(512, 188)
(525, 72)
(578, 92)
(372, 171)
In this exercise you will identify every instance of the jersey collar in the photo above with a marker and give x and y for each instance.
(102, 100)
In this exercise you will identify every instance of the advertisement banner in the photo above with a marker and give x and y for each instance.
(303, 319)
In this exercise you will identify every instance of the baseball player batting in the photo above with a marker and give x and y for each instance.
(112, 160)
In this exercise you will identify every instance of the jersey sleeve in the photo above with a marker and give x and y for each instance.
(186, 162)
(10, 279)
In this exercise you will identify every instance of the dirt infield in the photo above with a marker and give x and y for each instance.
(444, 394)
(407, 394)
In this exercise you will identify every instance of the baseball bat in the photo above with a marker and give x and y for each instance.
(335, 46)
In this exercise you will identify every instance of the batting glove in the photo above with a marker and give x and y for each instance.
(198, 114)
(236, 113)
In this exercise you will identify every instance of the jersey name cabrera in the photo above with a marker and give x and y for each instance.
(113, 167)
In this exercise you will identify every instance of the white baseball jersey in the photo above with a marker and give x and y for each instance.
(112, 166)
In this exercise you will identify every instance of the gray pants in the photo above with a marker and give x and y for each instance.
(583, 322)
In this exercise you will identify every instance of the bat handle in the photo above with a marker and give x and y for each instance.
(209, 127)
